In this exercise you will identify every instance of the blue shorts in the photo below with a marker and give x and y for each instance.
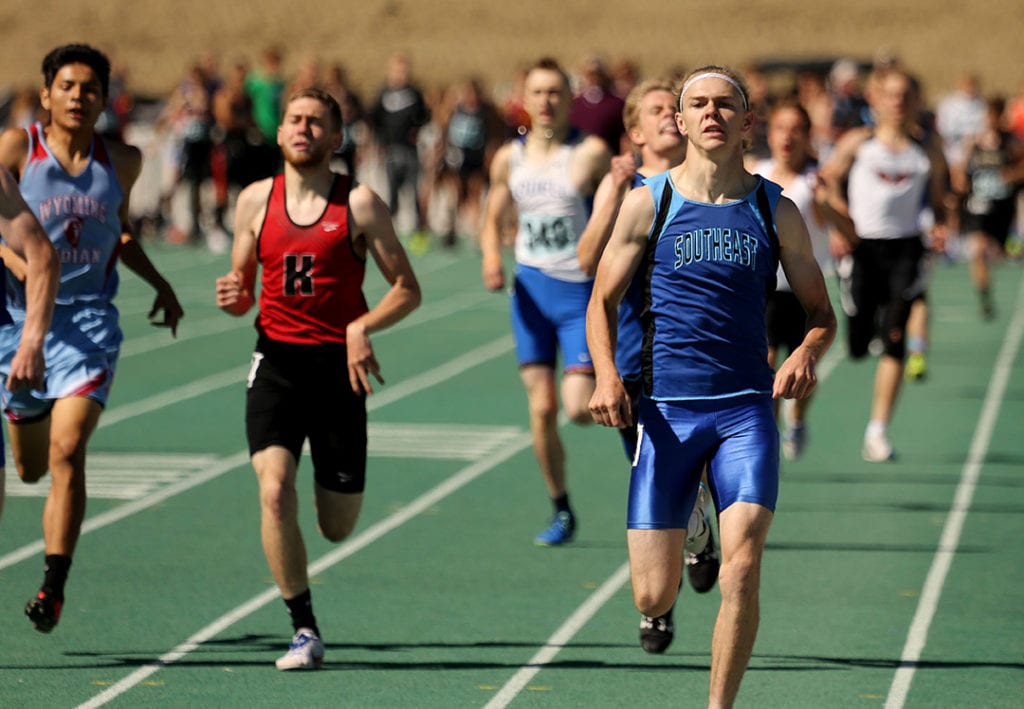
(548, 314)
(737, 438)
(81, 352)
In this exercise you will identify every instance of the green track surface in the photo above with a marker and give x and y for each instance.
(439, 602)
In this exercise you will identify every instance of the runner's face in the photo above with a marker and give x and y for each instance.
(788, 138)
(75, 98)
(546, 98)
(894, 100)
(306, 135)
(713, 114)
(656, 127)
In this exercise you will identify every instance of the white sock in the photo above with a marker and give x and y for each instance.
(875, 428)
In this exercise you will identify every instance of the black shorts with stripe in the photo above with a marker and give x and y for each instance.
(302, 392)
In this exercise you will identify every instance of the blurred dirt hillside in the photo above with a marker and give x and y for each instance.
(451, 39)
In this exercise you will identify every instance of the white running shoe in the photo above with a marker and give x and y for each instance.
(877, 448)
(305, 653)
(698, 528)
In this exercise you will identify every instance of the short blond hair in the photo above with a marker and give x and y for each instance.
(631, 111)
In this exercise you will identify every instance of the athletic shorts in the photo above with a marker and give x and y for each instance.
(81, 351)
(996, 222)
(736, 437)
(786, 321)
(302, 392)
(887, 276)
(549, 314)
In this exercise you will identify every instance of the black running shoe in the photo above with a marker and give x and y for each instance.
(702, 567)
(656, 633)
(44, 611)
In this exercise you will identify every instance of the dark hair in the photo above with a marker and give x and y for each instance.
(792, 104)
(313, 92)
(549, 64)
(77, 54)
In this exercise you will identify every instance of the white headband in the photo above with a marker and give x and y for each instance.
(714, 75)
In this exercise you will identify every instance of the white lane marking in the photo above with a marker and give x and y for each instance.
(402, 389)
(560, 638)
(928, 603)
(360, 541)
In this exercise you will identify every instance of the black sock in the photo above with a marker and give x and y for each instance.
(562, 503)
(300, 609)
(55, 575)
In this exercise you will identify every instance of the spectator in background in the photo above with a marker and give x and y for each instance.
(307, 76)
(233, 133)
(959, 116)
(625, 76)
(471, 135)
(114, 118)
(761, 104)
(265, 86)
(517, 119)
(596, 110)
(849, 107)
(1015, 114)
(188, 114)
(812, 94)
(352, 125)
(397, 116)
(25, 108)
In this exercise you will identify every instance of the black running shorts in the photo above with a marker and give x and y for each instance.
(300, 392)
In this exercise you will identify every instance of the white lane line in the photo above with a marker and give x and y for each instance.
(121, 511)
(560, 638)
(950, 540)
(360, 541)
(236, 375)
(402, 389)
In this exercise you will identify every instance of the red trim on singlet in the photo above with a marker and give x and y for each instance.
(37, 151)
(99, 151)
(312, 279)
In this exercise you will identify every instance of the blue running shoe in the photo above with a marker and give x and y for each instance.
(561, 531)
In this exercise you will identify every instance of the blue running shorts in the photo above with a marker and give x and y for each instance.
(738, 439)
(549, 314)
(81, 351)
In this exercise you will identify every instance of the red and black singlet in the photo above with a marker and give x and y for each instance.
(312, 283)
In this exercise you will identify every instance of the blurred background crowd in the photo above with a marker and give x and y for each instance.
(426, 148)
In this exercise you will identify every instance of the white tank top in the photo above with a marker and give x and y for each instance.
(552, 213)
(801, 191)
(886, 190)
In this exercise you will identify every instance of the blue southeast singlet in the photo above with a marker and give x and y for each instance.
(707, 273)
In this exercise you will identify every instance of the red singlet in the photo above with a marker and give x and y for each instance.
(312, 284)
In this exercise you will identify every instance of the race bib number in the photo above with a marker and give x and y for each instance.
(547, 236)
